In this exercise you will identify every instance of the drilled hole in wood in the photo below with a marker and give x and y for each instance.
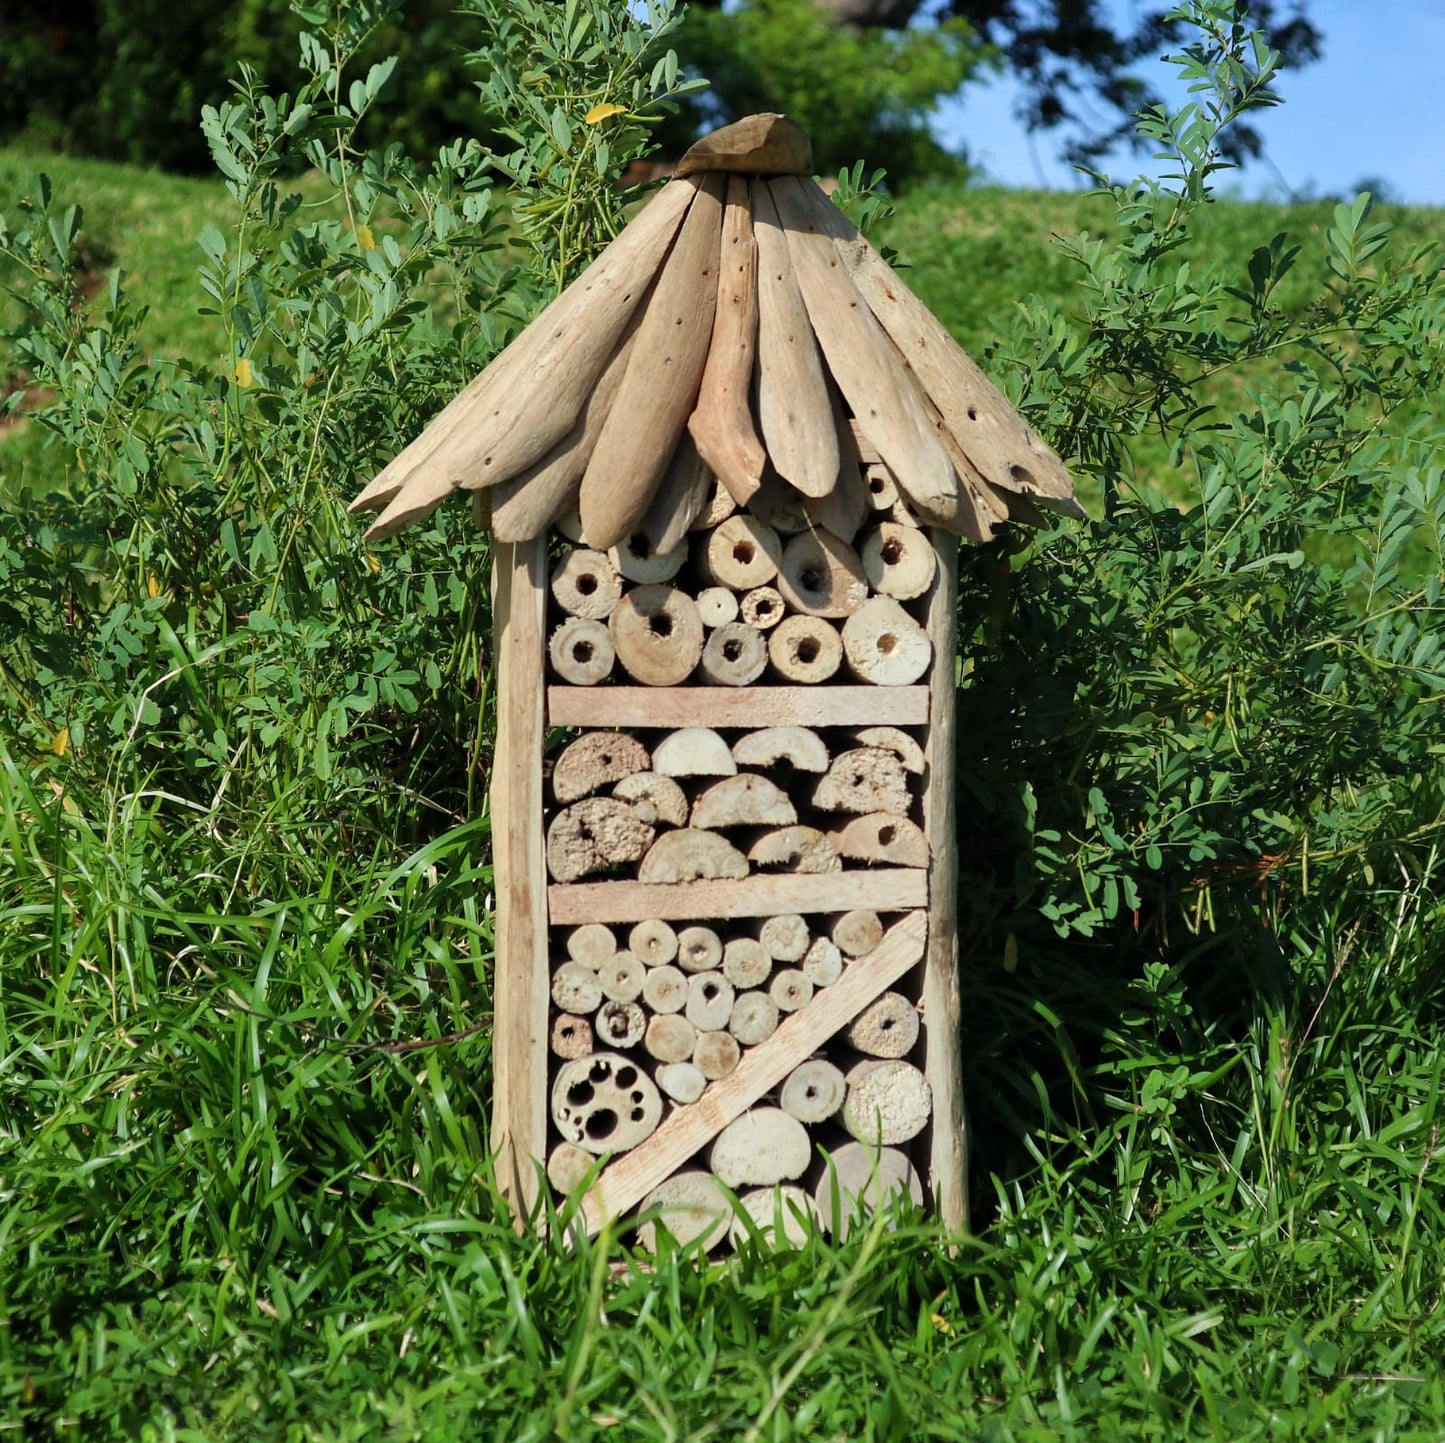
(886, 835)
(639, 546)
(732, 650)
(582, 652)
(764, 608)
(892, 551)
(811, 579)
(743, 553)
(876, 484)
(973, 413)
(626, 1076)
(579, 1094)
(1022, 475)
(660, 625)
(586, 584)
(600, 1124)
(808, 649)
(886, 642)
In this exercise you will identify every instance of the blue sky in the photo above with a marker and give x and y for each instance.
(1372, 107)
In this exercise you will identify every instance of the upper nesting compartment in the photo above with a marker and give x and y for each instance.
(734, 326)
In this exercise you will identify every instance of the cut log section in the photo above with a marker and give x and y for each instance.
(882, 488)
(620, 1025)
(604, 1103)
(670, 1037)
(761, 1147)
(690, 1205)
(594, 759)
(795, 849)
(898, 560)
(888, 1102)
(780, 1217)
(822, 575)
(591, 945)
(857, 933)
(790, 989)
(785, 937)
(884, 838)
(621, 977)
(693, 752)
(690, 855)
(664, 989)
(823, 962)
(682, 1082)
(894, 740)
(699, 949)
(653, 943)
(586, 583)
(866, 779)
(683, 495)
(796, 747)
(734, 655)
(745, 964)
(863, 1180)
(636, 558)
(655, 798)
(568, 1167)
(719, 507)
(709, 1002)
(886, 1028)
(883, 644)
(575, 989)
(806, 649)
(762, 144)
(657, 634)
(581, 651)
(594, 834)
(743, 553)
(762, 607)
(813, 1091)
(717, 605)
(716, 1055)
(746, 800)
(571, 1037)
(754, 1018)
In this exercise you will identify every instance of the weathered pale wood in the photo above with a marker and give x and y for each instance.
(791, 989)
(762, 607)
(794, 409)
(719, 507)
(592, 835)
(665, 989)
(888, 1102)
(692, 751)
(745, 706)
(746, 800)
(654, 798)
(734, 655)
(721, 424)
(782, 1217)
(581, 651)
(822, 575)
(858, 932)
(568, 1166)
(745, 964)
(892, 740)
(763, 1146)
(760, 895)
(946, 1146)
(785, 937)
(813, 1091)
(699, 949)
(898, 560)
(796, 849)
(585, 583)
(522, 983)
(806, 649)
(717, 1054)
(884, 644)
(690, 1205)
(649, 414)
(887, 1027)
(604, 1103)
(798, 747)
(631, 1177)
(657, 635)
(823, 962)
(636, 558)
(652, 942)
(879, 391)
(717, 605)
(591, 945)
(764, 144)
(884, 838)
(865, 779)
(743, 552)
(571, 1037)
(682, 1082)
(710, 999)
(670, 1037)
(594, 759)
(582, 326)
(754, 1018)
(576, 989)
(621, 977)
(620, 1024)
(865, 1180)
(681, 498)
(689, 855)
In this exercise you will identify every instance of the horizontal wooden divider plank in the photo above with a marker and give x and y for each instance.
(625, 1182)
(737, 706)
(892, 889)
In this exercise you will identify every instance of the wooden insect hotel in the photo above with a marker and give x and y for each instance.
(726, 472)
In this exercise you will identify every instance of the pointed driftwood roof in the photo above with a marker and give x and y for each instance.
(734, 326)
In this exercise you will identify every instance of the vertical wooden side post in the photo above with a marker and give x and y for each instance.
(520, 980)
(942, 1009)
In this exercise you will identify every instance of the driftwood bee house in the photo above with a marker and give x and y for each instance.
(726, 472)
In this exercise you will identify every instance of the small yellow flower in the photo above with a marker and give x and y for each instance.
(244, 375)
(364, 238)
(600, 113)
(60, 742)
(373, 561)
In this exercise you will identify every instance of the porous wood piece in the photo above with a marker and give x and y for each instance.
(796, 747)
(699, 949)
(857, 933)
(813, 1092)
(892, 739)
(716, 1055)
(737, 706)
(717, 605)
(690, 1205)
(594, 759)
(653, 942)
(746, 800)
(743, 553)
(821, 575)
(863, 1180)
(884, 645)
(575, 989)
(682, 496)
(795, 413)
(865, 779)
(709, 1001)
(719, 507)
(681, 1081)
(745, 964)
(903, 514)
(887, 1027)
(882, 488)
(763, 144)
(670, 1037)
(796, 849)
(762, 607)
(690, 855)
(565, 348)
(585, 583)
(660, 385)
(568, 1166)
(790, 989)
(805, 649)
(621, 977)
(571, 1037)
(581, 651)
(592, 835)
(655, 798)
(822, 962)
(734, 655)
(898, 560)
(636, 558)
(693, 752)
(591, 944)
(657, 634)
(721, 423)
(785, 937)
(605, 1103)
(888, 1102)
(754, 1018)
(620, 1024)
(884, 838)
(780, 1216)
(665, 989)
(759, 1148)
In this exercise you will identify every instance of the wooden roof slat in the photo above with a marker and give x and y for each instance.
(685, 490)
